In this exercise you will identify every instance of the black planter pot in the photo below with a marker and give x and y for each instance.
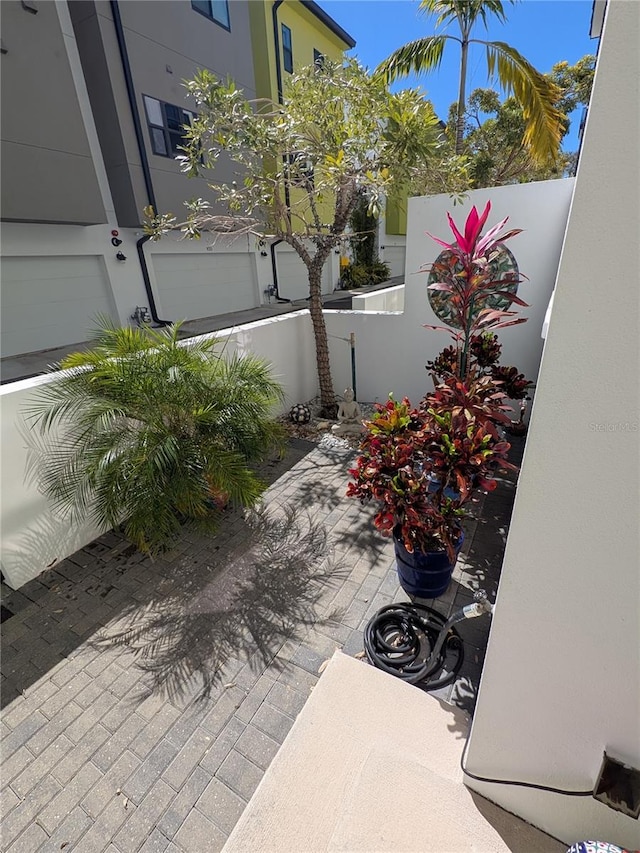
(424, 575)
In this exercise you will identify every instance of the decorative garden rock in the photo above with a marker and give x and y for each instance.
(300, 414)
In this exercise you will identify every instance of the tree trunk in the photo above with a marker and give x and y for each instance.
(462, 96)
(327, 396)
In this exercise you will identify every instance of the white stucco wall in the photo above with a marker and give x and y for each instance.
(207, 277)
(388, 299)
(561, 680)
(394, 252)
(391, 350)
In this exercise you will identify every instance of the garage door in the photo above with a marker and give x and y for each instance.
(293, 278)
(394, 256)
(51, 301)
(191, 286)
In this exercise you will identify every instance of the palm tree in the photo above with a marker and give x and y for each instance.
(536, 94)
(148, 432)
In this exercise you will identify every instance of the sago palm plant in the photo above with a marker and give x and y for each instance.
(535, 93)
(146, 432)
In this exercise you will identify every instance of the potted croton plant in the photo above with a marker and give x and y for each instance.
(423, 464)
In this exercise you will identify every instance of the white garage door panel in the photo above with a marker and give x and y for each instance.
(51, 301)
(394, 256)
(203, 285)
(293, 278)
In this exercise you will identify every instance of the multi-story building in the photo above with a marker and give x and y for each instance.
(287, 35)
(93, 109)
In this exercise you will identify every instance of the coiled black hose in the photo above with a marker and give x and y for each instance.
(405, 640)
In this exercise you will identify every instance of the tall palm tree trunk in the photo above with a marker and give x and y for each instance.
(462, 96)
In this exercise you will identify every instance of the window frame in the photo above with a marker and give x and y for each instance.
(287, 49)
(210, 16)
(166, 130)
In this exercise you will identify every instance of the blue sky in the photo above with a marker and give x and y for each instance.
(544, 31)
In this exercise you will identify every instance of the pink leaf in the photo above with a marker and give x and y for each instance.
(471, 229)
(450, 246)
(445, 288)
(461, 241)
(490, 236)
(485, 216)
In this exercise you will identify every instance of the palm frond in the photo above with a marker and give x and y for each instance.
(537, 96)
(416, 57)
(466, 11)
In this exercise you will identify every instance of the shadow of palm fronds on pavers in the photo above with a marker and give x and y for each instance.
(206, 624)
(48, 621)
(320, 482)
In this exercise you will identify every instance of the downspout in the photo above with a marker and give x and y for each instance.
(153, 310)
(276, 42)
(144, 161)
(287, 198)
(274, 267)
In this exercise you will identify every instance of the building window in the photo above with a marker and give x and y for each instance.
(287, 50)
(215, 10)
(318, 58)
(166, 126)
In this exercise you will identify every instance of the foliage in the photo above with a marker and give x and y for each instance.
(512, 382)
(444, 363)
(147, 432)
(536, 94)
(359, 275)
(484, 374)
(467, 276)
(494, 129)
(354, 276)
(484, 352)
(485, 349)
(363, 227)
(379, 272)
(493, 142)
(574, 82)
(421, 465)
(339, 134)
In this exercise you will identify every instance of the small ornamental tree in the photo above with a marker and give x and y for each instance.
(304, 165)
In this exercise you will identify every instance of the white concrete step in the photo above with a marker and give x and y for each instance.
(373, 764)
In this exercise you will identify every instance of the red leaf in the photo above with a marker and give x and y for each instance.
(512, 298)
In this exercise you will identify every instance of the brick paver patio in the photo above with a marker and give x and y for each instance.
(144, 700)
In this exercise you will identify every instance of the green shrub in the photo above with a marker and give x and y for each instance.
(355, 275)
(379, 272)
(148, 432)
(359, 275)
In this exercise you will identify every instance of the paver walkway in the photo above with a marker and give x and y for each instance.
(144, 700)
